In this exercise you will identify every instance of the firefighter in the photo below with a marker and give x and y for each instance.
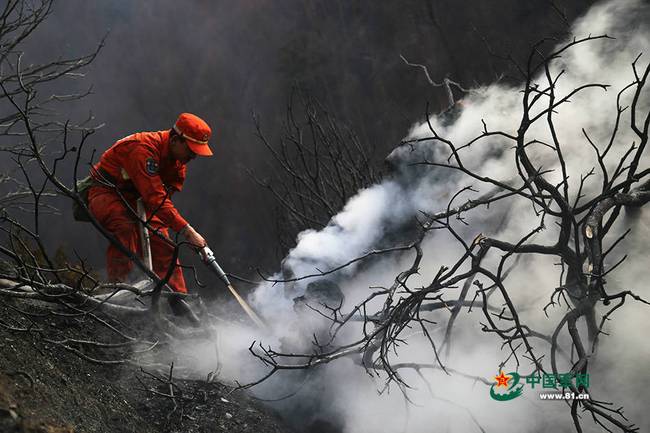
(150, 165)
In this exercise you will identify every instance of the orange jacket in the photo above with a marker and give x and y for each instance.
(141, 164)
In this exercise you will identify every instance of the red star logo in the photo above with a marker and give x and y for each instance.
(502, 379)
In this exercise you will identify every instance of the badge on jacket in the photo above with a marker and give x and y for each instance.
(151, 165)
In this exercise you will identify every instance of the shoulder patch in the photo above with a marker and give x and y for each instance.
(151, 165)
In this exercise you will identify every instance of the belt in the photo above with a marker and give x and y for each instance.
(104, 178)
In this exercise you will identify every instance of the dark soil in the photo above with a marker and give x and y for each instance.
(45, 388)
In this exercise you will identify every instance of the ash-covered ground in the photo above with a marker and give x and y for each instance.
(45, 388)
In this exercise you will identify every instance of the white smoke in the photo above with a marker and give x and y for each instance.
(342, 390)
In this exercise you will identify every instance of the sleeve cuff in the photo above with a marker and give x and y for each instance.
(179, 224)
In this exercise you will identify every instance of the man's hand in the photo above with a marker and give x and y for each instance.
(193, 236)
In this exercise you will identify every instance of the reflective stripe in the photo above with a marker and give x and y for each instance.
(187, 137)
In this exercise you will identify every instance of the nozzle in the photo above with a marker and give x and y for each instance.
(208, 258)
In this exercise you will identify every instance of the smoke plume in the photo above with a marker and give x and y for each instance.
(347, 398)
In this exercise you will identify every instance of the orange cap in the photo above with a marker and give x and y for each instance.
(195, 131)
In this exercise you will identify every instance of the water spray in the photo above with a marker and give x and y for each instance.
(211, 262)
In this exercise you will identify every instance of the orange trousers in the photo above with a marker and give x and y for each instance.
(111, 212)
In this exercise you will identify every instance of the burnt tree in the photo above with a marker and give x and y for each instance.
(582, 247)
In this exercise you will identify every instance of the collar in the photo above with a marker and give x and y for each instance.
(165, 152)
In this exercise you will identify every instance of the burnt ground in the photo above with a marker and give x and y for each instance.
(47, 388)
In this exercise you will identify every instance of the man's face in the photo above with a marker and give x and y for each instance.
(180, 150)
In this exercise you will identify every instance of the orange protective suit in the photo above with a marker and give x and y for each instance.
(140, 165)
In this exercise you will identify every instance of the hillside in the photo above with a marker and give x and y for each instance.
(47, 389)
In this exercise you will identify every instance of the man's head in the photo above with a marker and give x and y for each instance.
(189, 138)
